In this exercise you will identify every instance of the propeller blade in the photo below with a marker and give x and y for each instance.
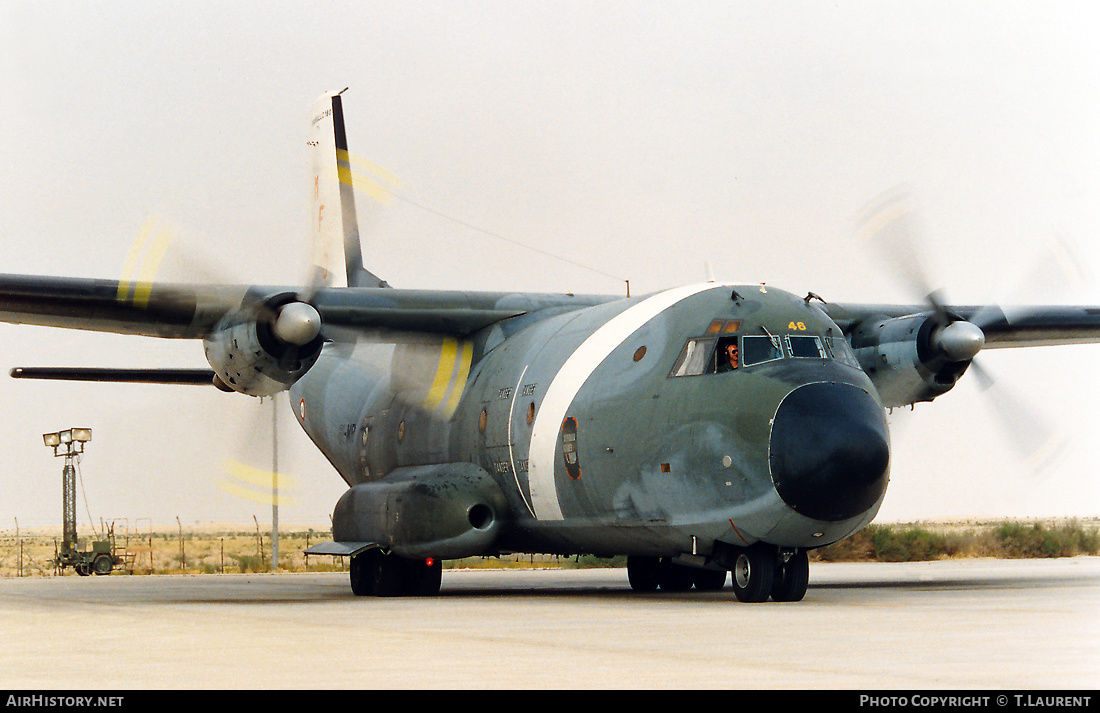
(891, 225)
(1028, 432)
(252, 473)
(1054, 274)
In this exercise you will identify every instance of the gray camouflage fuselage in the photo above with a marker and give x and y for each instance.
(596, 446)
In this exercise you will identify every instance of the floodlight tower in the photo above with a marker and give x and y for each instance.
(68, 444)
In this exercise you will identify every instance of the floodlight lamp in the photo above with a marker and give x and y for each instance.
(83, 435)
(51, 439)
(66, 435)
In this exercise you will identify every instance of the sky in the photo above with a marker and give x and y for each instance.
(639, 141)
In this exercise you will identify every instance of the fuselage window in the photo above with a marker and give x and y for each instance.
(805, 347)
(697, 357)
(759, 349)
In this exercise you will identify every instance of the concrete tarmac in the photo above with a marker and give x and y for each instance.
(959, 624)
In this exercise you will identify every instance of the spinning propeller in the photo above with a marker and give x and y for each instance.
(891, 224)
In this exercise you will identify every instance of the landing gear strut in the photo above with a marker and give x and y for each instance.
(375, 573)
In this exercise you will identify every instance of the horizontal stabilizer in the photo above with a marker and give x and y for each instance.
(194, 377)
(339, 549)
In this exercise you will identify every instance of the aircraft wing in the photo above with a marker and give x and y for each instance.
(192, 311)
(106, 306)
(1018, 326)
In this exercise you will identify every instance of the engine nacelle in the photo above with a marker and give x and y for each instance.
(263, 349)
(449, 511)
(917, 357)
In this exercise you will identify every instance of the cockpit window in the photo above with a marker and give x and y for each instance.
(697, 357)
(805, 347)
(728, 355)
(759, 349)
(721, 351)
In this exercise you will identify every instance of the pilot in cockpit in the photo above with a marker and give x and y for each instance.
(730, 358)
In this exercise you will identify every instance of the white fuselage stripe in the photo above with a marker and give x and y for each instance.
(569, 380)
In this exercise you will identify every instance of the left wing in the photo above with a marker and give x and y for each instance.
(194, 311)
(247, 320)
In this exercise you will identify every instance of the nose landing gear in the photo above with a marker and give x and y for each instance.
(758, 572)
(762, 571)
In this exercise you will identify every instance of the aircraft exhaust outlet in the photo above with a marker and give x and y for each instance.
(447, 511)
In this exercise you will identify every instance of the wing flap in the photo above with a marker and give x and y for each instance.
(339, 549)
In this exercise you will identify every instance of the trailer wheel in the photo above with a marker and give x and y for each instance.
(102, 564)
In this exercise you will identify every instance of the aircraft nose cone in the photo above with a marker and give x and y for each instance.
(829, 451)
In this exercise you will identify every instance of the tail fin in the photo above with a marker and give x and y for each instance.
(337, 251)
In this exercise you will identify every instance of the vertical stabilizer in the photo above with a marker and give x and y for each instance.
(337, 251)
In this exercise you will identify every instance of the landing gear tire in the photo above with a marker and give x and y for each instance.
(676, 577)
(360, 574)
(423, 576)
(386, 575)
(792, 578)
(753, 573)
(374, 573)
(644, 573)
(709, 580)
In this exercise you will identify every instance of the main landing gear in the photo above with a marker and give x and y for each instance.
(757, 573)
(375, 573)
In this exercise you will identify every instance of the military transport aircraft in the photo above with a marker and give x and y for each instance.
(703, 431)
